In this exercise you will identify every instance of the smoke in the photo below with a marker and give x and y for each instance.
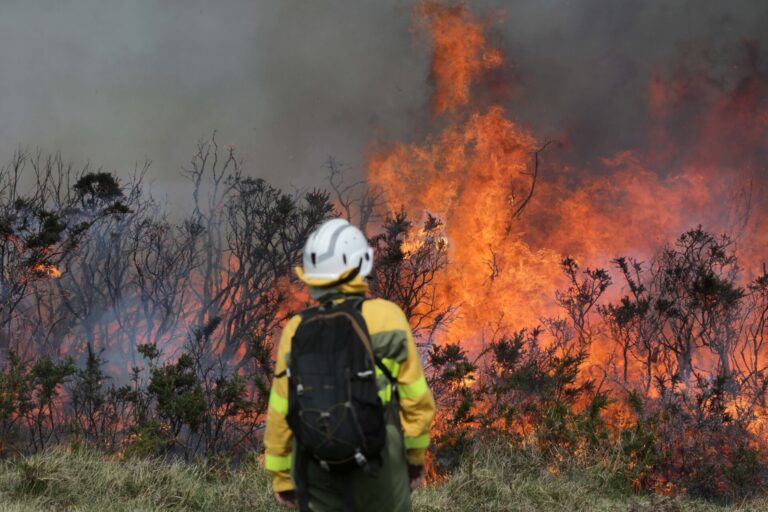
(290, 82)
(585, 67)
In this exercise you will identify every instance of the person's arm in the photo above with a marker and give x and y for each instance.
(417, 406)
(392, 337)
(278, 438)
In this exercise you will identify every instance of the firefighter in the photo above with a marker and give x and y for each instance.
(336, 261)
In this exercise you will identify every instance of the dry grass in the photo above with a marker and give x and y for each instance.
(83, 481)
(496, 479)
(490, 481)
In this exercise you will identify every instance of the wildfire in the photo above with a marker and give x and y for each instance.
(461, 54)
(471, 175)
(474, 171)
(503, 273)
(506, 227)
(47, 270)
(479, 165)
(420, 239)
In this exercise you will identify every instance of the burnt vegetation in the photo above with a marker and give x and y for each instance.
(142, 335)
(675, 405)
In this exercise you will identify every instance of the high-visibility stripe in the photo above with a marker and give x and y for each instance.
(414, 389)
(421, 441)
(391, 365)
(276, 463)
(277, 402)
(385, 393)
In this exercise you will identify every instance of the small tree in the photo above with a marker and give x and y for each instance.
(39, 228)
(408, 262)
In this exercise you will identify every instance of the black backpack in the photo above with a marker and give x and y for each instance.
(334, 408)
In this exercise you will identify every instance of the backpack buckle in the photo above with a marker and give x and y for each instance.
(360, 459)
(324, 466)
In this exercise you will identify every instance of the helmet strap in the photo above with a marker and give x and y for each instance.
(344, 279)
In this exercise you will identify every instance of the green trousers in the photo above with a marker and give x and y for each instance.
(384, 488)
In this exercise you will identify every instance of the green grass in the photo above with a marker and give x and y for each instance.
(488, 481)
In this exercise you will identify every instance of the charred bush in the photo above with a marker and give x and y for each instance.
(451, 376)
(691, 344)
(687, 441)
(409, 258)
(537, 393)
(99, 409)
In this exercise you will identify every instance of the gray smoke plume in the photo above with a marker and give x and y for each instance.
(290, 82)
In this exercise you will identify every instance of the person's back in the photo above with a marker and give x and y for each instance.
(336, 260)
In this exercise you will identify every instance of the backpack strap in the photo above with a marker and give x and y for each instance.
(385, 371)
(304, 314)
(357, 303)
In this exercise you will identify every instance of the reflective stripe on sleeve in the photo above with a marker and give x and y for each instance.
(413, 390)
(385, 393)
(277, 402)
(391, 365)
(421, 441)
(275, 463)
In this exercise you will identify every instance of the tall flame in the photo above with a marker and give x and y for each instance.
(461, 54)
(478, 167)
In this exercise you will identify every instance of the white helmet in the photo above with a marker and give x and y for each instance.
(336, 250)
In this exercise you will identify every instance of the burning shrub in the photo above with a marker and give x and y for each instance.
(686, 441)
(689, 358)
(32, 409)
(451, 376)
(537, 390)
(518, 390)
(691, 343)
(198, 299)
(408, 260)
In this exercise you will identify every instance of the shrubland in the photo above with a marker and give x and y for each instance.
(137, 351)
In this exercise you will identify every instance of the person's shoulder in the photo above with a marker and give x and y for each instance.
(292, 324)
(382, 306)
(384, 314)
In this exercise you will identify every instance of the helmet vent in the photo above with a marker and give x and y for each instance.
(314, 259)
(344, 257)
(367, 257)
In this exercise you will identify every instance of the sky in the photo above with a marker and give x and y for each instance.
(292, 82)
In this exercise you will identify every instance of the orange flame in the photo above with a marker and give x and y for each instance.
(477, 169)
(461, 54)
(47, 270)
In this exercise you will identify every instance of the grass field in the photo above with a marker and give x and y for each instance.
(491, 481)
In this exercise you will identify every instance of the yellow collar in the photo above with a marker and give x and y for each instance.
(358, 285)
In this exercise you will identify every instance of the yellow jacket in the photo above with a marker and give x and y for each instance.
(392, 343)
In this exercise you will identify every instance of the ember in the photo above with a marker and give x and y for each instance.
(47, 270)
